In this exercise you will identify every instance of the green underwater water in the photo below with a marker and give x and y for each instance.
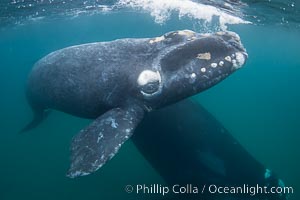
(259, 105)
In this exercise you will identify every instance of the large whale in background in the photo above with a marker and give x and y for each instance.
(117, 82)
(187, 145)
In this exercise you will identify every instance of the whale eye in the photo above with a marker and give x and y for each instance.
(149, 82)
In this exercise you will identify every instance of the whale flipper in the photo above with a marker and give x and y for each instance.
(101, 140)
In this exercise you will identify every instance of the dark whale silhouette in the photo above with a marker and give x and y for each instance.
(187, 145)
(117, 82)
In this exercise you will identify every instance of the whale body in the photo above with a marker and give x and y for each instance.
(117, 82)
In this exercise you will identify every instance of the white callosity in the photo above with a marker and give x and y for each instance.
(228, 58)
(213, 65)
(221, 63)
(239, 60)
(149, 83)
(203, 69)
(148, 76)
(193, 75)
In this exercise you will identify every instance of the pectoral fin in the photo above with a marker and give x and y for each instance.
(93, 146)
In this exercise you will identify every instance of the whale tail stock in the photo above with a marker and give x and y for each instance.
(39, 116)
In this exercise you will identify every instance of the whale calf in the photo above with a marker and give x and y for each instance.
(117, 82)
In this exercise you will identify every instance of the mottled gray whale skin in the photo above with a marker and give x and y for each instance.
(116, 82)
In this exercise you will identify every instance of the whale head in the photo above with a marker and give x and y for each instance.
(190, 63)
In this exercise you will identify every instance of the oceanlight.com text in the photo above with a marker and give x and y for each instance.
(211, 189)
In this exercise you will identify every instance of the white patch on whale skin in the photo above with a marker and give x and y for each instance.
(204, 56)
(228, 58)
(102, 157)
(112, 122)
(193, 77)
(213, 65)
(148, 76)
(203, 69)
(127, 130)
(188, 33)
(157, 39)
(221, 63)
(239, 61)
(234, 63)
(78, 173)
(100, 136)
(191, 38)
(220, 33)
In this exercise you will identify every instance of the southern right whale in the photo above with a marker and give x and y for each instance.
(187, 145)
(116, 83)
